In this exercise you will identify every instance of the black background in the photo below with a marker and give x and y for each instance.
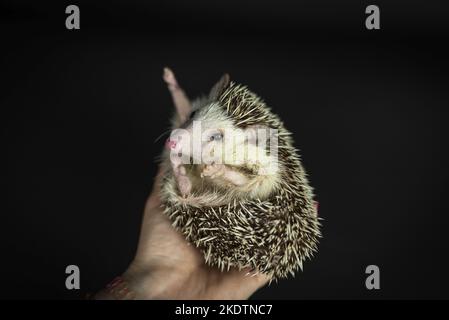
(81, 110)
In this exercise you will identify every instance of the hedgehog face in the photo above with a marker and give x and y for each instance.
(209, 136)
(220, 147)
(201, 136)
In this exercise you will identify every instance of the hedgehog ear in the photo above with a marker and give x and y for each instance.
(220, 87)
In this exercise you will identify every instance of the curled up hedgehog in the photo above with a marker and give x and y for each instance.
(234, 184)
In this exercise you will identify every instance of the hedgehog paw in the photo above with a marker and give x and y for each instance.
(184, 185)
(213, 170)
(183, 181)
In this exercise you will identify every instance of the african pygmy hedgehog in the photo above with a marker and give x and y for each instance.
(253, 212)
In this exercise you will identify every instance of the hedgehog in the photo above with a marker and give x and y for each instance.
(234, 184)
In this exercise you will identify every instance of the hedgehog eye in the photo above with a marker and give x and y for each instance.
(192, 114)
(216, 137)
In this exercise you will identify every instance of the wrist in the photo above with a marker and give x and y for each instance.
(152, 283)
(117, 289)
(171, 282)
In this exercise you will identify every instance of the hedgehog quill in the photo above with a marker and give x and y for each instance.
(234, 184)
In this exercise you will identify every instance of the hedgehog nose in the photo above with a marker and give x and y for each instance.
(170, 144)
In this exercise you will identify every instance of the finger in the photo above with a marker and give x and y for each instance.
(158, 179)
(154, 198)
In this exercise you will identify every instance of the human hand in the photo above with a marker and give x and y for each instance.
(166, 266)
